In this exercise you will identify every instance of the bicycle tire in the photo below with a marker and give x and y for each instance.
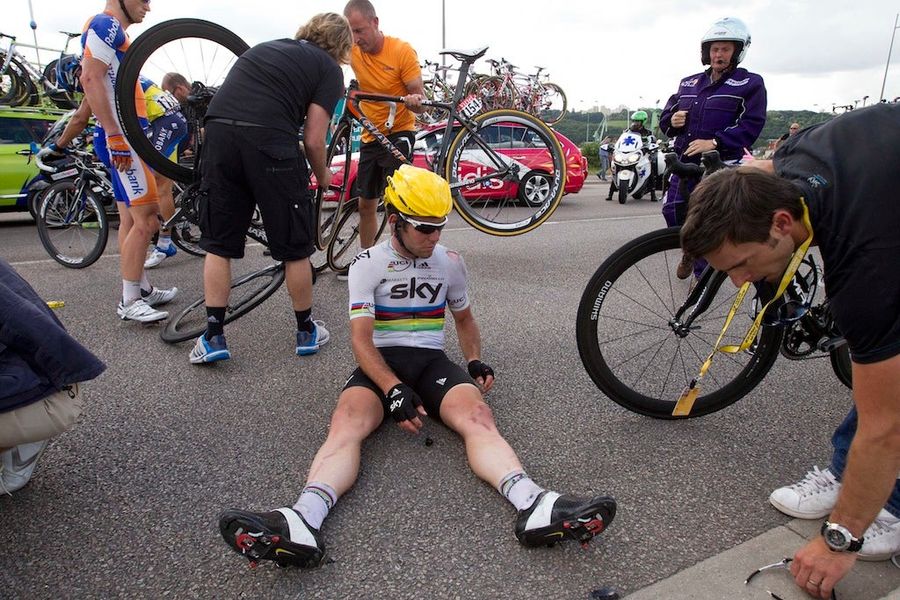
(496, 93)
(12, 88)
(190, 323)
(60, 97)
(142, 56)
(344, 245)
(470, 155)
(186, 230)
(339, 194)
(67, 231)
(553, 104)
(637, 360)
(841, 365)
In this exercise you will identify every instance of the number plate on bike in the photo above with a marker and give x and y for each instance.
(470, 106)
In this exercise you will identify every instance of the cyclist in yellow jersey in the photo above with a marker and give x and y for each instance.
(383, 65)
(167, 128)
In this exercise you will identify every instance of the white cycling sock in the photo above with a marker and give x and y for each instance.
(314, 502)
(131, 291)
(519, 489)
(145, 282)
(164, 241)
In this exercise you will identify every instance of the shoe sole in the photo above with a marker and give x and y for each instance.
(247, 535)
(211, 357)
(797, 514)
(164, 316)
(592, 521)
(307, 350)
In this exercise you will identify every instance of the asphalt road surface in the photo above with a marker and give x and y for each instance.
(125, 504)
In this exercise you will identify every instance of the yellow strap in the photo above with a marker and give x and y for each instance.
(686, 402)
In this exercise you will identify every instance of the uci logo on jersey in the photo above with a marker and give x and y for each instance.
(415, 290)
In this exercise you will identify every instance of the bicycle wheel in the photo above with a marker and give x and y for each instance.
(12, 85)
(59, 97)
(437, 91)
(345, 243)
(495, 93)
(553, 104)
(201, 51)
(247, 292)
(486, 165)
(631, 351)
(186, 230)
(72, 224)
(841, 364)
(332, 202)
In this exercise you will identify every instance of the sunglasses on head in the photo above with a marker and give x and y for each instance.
(422, 226)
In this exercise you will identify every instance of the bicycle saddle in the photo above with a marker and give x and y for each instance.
(466, 55)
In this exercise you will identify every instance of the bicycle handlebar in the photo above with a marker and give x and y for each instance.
(711, 162)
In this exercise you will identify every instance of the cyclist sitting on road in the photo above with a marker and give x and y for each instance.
(104, 42)
(383, 65)
(748, 222)
(399, 292)
(251, 158)
(167, 128)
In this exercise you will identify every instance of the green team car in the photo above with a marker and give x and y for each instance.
(19, 128)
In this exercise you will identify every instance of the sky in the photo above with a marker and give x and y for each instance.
(812, 54)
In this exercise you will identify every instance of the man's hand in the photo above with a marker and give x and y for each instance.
(324, 182)
(482, 374)
(51, 150)
(699, 147)
(119, 151)
(405, 407)
(817, 569)
(413, 102)
(679, 118)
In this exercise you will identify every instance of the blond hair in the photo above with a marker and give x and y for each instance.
(331, 33)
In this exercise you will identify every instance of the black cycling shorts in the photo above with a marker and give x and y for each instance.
(376, 163)
(245, 167)
(429, 372)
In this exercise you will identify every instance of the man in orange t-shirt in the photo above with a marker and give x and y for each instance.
(382, 65)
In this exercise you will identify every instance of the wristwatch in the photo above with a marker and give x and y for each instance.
(839, 538)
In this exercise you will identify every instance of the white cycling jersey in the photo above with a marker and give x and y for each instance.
(407, 297)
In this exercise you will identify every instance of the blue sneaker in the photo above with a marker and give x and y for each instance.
(160, 254)
(309, 343)
(207, 351)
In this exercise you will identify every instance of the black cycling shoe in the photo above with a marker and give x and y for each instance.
(553, 518)
(281, 535)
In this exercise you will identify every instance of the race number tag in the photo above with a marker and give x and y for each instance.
(470, 106)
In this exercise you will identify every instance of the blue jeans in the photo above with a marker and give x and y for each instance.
(841, 440)
(604, 165)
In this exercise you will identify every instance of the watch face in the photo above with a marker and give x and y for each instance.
(836, 539)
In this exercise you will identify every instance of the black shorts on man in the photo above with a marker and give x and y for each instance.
(376, 163)
(429, 372)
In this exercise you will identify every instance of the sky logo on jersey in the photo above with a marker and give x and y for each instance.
(413, 290)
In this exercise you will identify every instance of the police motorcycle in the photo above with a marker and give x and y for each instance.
(637, 164)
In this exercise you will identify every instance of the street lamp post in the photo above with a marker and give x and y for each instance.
(587, 130)
(888, 64)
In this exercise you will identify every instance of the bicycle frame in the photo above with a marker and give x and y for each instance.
(35, 74)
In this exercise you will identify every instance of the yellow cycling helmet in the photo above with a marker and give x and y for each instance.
(418, 192)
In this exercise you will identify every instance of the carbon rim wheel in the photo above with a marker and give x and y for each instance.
(632, 353)
(201, 51)
(247, 293)
(485, 169)
(72, 226)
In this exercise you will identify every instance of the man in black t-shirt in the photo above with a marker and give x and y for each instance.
(748, 222)
(251, 157)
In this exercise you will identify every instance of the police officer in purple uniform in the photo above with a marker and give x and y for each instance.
(723, 108)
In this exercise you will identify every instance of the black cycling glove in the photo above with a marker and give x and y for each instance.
(479, 369)
(402, 402)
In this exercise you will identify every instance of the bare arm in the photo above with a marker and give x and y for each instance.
(76, 124)
(870, 475)
(470, 340)
(314, 130)
(415, 89)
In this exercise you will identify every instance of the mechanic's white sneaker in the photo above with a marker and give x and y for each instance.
(159, 296)
(811, 498)
(882, 538)
(17, 465)
(140, 311)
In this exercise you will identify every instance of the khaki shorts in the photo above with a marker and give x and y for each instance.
(41, 420)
